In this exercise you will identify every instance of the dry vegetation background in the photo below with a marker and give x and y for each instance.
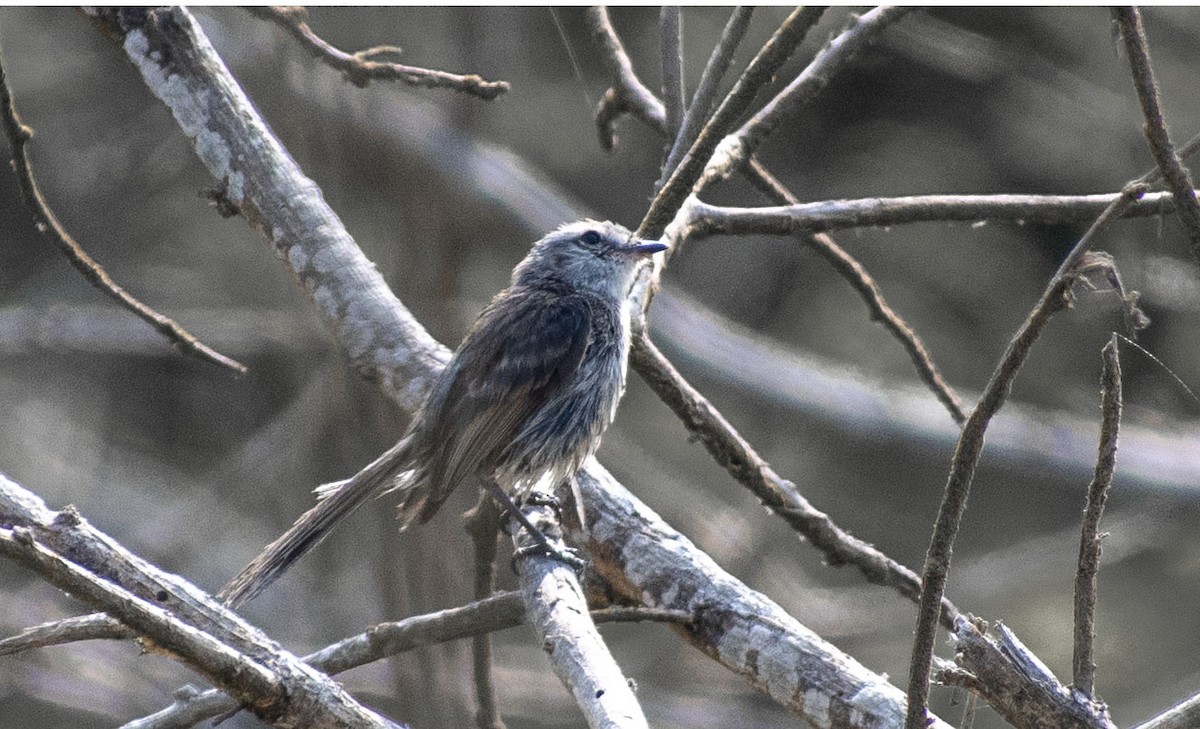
(195, 470)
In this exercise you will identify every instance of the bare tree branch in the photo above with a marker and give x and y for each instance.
(1089, 539)
(628, 94)
(1019, 687)
(176, 616)
(482, 522)
(491, 614)
(842, 261)
(671, 32)
(970, 443)
(1177, 178)
(363, 67)
(779, 495)
(96, 626)
(648, 561)
(970, 446)
(284, 205)
(802, 90)
(48, 225)
(706, 88)
(482, 617)
(1183, 715)
(828, 215)
(762, 68)
(557, 610)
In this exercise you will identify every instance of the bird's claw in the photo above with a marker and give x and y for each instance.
(567, 555)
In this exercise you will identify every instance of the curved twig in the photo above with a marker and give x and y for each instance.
(627, 94)
(363, 67)
(47, 224)
(779, 495)
(862, 281)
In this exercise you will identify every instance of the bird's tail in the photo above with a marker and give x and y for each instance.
(337, 501)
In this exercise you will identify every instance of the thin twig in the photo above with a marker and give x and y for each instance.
(47, 224)
(804, 88)
(671, 33)
(858, 277)
(481, 523)
(967, 452)
(628, 93)
(1089, 540)
(498, 612)
(862, 282)
(363, 67)
(781, 496)
(761, 71)
(829, 215)
(1177, 178)
(483, 617)
(94, 626)
(706, 88)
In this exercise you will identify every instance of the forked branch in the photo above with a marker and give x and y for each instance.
(365, 66)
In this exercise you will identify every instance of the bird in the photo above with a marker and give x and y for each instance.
(522, 403)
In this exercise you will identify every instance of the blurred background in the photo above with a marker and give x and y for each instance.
(196, 470)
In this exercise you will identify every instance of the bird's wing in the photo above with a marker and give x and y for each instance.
(523, 350)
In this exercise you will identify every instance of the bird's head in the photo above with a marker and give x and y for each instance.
(587, 256)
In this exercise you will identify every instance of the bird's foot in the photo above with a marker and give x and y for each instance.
(545, 546)
(567, 555)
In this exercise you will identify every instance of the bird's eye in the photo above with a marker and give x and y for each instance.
(590, 238)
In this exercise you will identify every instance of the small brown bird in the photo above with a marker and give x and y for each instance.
(523, 401)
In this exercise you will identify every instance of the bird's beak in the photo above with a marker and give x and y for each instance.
(647, 248)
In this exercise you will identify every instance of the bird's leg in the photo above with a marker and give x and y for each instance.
(545, 546)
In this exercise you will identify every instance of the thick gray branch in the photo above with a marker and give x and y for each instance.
(176, 616)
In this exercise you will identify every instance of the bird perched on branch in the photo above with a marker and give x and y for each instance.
(522, 403)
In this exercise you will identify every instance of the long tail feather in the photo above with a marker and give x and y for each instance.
(315, 524)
